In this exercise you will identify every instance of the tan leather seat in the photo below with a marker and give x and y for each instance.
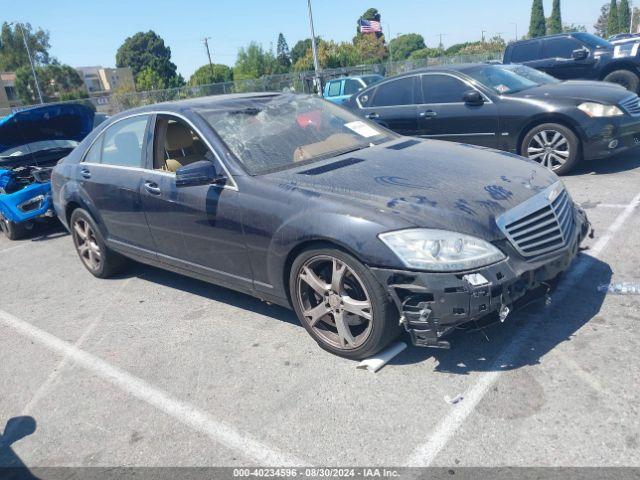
(179, 139)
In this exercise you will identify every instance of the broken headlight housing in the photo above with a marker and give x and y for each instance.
(440, 250)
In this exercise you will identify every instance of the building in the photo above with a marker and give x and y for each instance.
(8, 95)
(104, 81)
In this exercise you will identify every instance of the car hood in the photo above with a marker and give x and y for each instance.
(49, 122)
(579, 90)
(425, 183)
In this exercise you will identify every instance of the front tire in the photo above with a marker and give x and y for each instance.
(624, 78)
(341, 304)
(553, 146)
(91, 248)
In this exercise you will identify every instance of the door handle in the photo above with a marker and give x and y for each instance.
(428, 114)
(152, 188)
(372, 116)
(85, 172)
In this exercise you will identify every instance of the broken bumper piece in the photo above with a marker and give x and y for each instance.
(431, 304)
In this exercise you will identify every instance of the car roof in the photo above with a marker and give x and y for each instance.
(556, 35)
(458, 67)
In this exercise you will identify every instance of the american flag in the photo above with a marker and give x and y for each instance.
(369, 26)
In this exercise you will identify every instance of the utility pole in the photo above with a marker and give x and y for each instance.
(33, 69)
(483, 32)
(441, 45)
(206, 44)
(516, 25)
(314, 48)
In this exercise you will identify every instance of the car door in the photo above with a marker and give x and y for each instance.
(333, 91)
(194, 227)
(111, 175)
(393, 104)
(529, 54)
(350, 87)
(444, 114)
(559, 62)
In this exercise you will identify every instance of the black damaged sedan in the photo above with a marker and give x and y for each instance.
(297, 201)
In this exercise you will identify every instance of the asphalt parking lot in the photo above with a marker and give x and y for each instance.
(155, 369)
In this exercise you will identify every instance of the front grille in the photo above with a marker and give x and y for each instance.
(540, 225)
(631, 105)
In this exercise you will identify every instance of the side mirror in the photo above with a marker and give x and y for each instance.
(580, 54)
(473, 98)
(198, 173)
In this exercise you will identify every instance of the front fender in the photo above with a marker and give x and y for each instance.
(357, 235)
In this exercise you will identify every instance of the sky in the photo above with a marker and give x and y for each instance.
(89, 32)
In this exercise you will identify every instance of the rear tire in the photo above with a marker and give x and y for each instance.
(553, 146)
(351, 317)
(91, 248)
(625, 78)
(12, 230)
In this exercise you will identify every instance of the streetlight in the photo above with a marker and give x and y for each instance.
(314, 48)
(33, 70)
(206, 44)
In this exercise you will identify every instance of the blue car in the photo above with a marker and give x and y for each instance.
(340, 90)
(31, 143)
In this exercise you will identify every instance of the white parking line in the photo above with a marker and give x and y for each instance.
(425, 454)
(177, 409)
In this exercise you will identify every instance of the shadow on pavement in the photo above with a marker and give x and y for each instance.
(556, 323)
(470, 351)
(11, 466)
(616, 164)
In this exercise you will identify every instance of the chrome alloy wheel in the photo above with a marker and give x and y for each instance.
(549, 148)
(334, 302)
(85, 239)
(4, 225)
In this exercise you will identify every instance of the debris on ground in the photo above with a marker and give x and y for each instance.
(458, 398)
(620, 288)
(375, 363)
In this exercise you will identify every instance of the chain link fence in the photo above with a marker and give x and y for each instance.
(298, 82)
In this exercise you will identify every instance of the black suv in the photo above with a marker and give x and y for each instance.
(580, 56)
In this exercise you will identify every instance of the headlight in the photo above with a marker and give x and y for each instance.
(439, 250)
(594, 109)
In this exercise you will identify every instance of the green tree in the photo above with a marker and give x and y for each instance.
(555, 21)
(426, 53)
(282, 54)
(149, 79)
(147, 51)
(601, 24)
(624, 17)
(371, 49)
(301, 48)
(208, 74)
(13, 55)
(573, 27)
(57, 82)
(612, 22)
(401, 47)
(254, 62)
(537, 27)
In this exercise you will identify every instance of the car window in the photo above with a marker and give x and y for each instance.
(396, 92)
(560, 47)
(176, 145)
(122, 144)
(443, 89)
(334, 88)
(93, 155)
(525, 52)
(275, 132)
(351, 86)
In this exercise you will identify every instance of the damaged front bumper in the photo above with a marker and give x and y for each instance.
(432, 304)
(27, 203)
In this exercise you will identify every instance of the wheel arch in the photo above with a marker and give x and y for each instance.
(553, 118)
(308, 244)
(620, 65)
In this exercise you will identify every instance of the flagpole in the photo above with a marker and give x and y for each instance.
(314, 48)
